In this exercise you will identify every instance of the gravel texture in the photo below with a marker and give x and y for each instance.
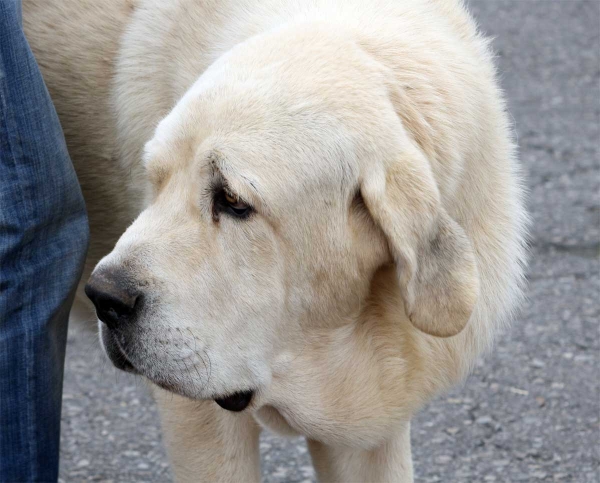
(530, 412)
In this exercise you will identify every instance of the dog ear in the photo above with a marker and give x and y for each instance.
(435, 261)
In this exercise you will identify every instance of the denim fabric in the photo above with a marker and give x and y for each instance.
(43, 241)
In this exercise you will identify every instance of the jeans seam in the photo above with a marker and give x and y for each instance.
(15, 149)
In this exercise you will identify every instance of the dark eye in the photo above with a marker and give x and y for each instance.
(227, 202)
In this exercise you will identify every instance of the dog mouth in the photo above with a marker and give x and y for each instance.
(115, 352)
(234, 402)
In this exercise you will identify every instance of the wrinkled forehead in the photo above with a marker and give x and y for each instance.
(272, 147)
(289, 114)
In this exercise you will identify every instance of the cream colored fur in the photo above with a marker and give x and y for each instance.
(371, 139)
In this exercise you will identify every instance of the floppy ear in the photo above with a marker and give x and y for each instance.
(435, 261)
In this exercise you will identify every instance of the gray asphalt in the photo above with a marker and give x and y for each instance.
(530, 411)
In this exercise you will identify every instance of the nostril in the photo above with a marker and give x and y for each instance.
(114, 304)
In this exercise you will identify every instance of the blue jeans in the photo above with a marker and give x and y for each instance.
(43, 241)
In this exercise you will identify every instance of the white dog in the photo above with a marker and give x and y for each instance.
(328, 212)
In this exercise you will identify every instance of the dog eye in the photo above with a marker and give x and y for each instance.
(227, 202)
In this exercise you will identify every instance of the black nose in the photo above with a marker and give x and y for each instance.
(114, 296)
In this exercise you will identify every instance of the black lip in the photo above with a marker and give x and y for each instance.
(235, 402)
(115, 353)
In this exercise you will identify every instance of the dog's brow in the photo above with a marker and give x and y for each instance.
(241, 184)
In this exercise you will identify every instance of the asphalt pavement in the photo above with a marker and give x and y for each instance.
(530, 411)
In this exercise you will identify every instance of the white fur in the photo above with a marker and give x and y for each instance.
(320, 302)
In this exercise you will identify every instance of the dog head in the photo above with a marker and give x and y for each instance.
(277, 186)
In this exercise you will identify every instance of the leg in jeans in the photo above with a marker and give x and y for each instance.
(43, 241)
